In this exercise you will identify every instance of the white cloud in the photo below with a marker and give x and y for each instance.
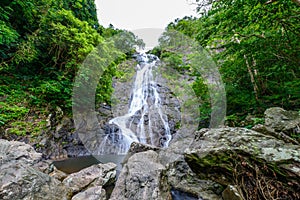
(140, 14)
(137, 14)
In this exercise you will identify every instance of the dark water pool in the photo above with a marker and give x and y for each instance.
(72, 165)
(179, 195)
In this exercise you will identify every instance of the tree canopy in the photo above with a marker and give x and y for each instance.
(256, 46)
(43, 43)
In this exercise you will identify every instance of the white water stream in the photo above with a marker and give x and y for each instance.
(145, 103)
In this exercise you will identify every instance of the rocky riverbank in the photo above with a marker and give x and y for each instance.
(214, 164)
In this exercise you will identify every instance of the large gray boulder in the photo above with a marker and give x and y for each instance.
(92, 193)
(21, 182)
(179, 175)
(18, 152)
(238, 156)
(142, 177)
(136, 147)
(21, 179)
(95, 175)
(182, 178)
(284, 122)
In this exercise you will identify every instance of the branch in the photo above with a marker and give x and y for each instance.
(272, 1)
(296, 2)
(255, 35)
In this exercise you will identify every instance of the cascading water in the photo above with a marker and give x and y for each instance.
(145, 115)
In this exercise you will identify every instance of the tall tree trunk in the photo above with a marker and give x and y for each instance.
(255, 88)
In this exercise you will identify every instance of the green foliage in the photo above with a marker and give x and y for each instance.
(175, 60)
(84, 10)
(11, 112)
(66, 39)
(43, 44)
(201, 90)
(256, 45)
(125, 71)
(53, 92)
(8, 39)
(13, 105)
(127, 42)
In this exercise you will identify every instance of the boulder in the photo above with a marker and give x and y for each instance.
(244, 140)
(136, 147)
(18, 152)
(21, 179)
(95, 175)
(182, 178)
(284, 121)
(142, 177)
(179, 174)
(244, 157)
(269, 131)
(92, 193)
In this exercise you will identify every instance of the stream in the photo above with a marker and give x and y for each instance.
(145, 114)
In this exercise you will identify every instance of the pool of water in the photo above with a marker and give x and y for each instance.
(72, 165)
(179, 195)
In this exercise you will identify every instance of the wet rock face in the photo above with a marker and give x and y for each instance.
(142, 177)
(159, 105)
(140, 59)
(152, 121)
(60, 141)
(114, 134)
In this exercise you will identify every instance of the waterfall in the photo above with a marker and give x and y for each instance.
(145, 121)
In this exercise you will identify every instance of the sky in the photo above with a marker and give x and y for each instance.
(142, 17)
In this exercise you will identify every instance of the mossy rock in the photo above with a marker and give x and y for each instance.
(237, 156)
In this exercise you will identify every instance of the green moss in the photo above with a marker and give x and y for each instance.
(10, 111)
(177, 125)
(32, 128)
(125, 71)
(17, 131)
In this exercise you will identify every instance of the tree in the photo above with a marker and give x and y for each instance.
(256, 46)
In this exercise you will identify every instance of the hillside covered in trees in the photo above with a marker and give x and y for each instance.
(256, 47)
(42, 45)
(167, 152)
